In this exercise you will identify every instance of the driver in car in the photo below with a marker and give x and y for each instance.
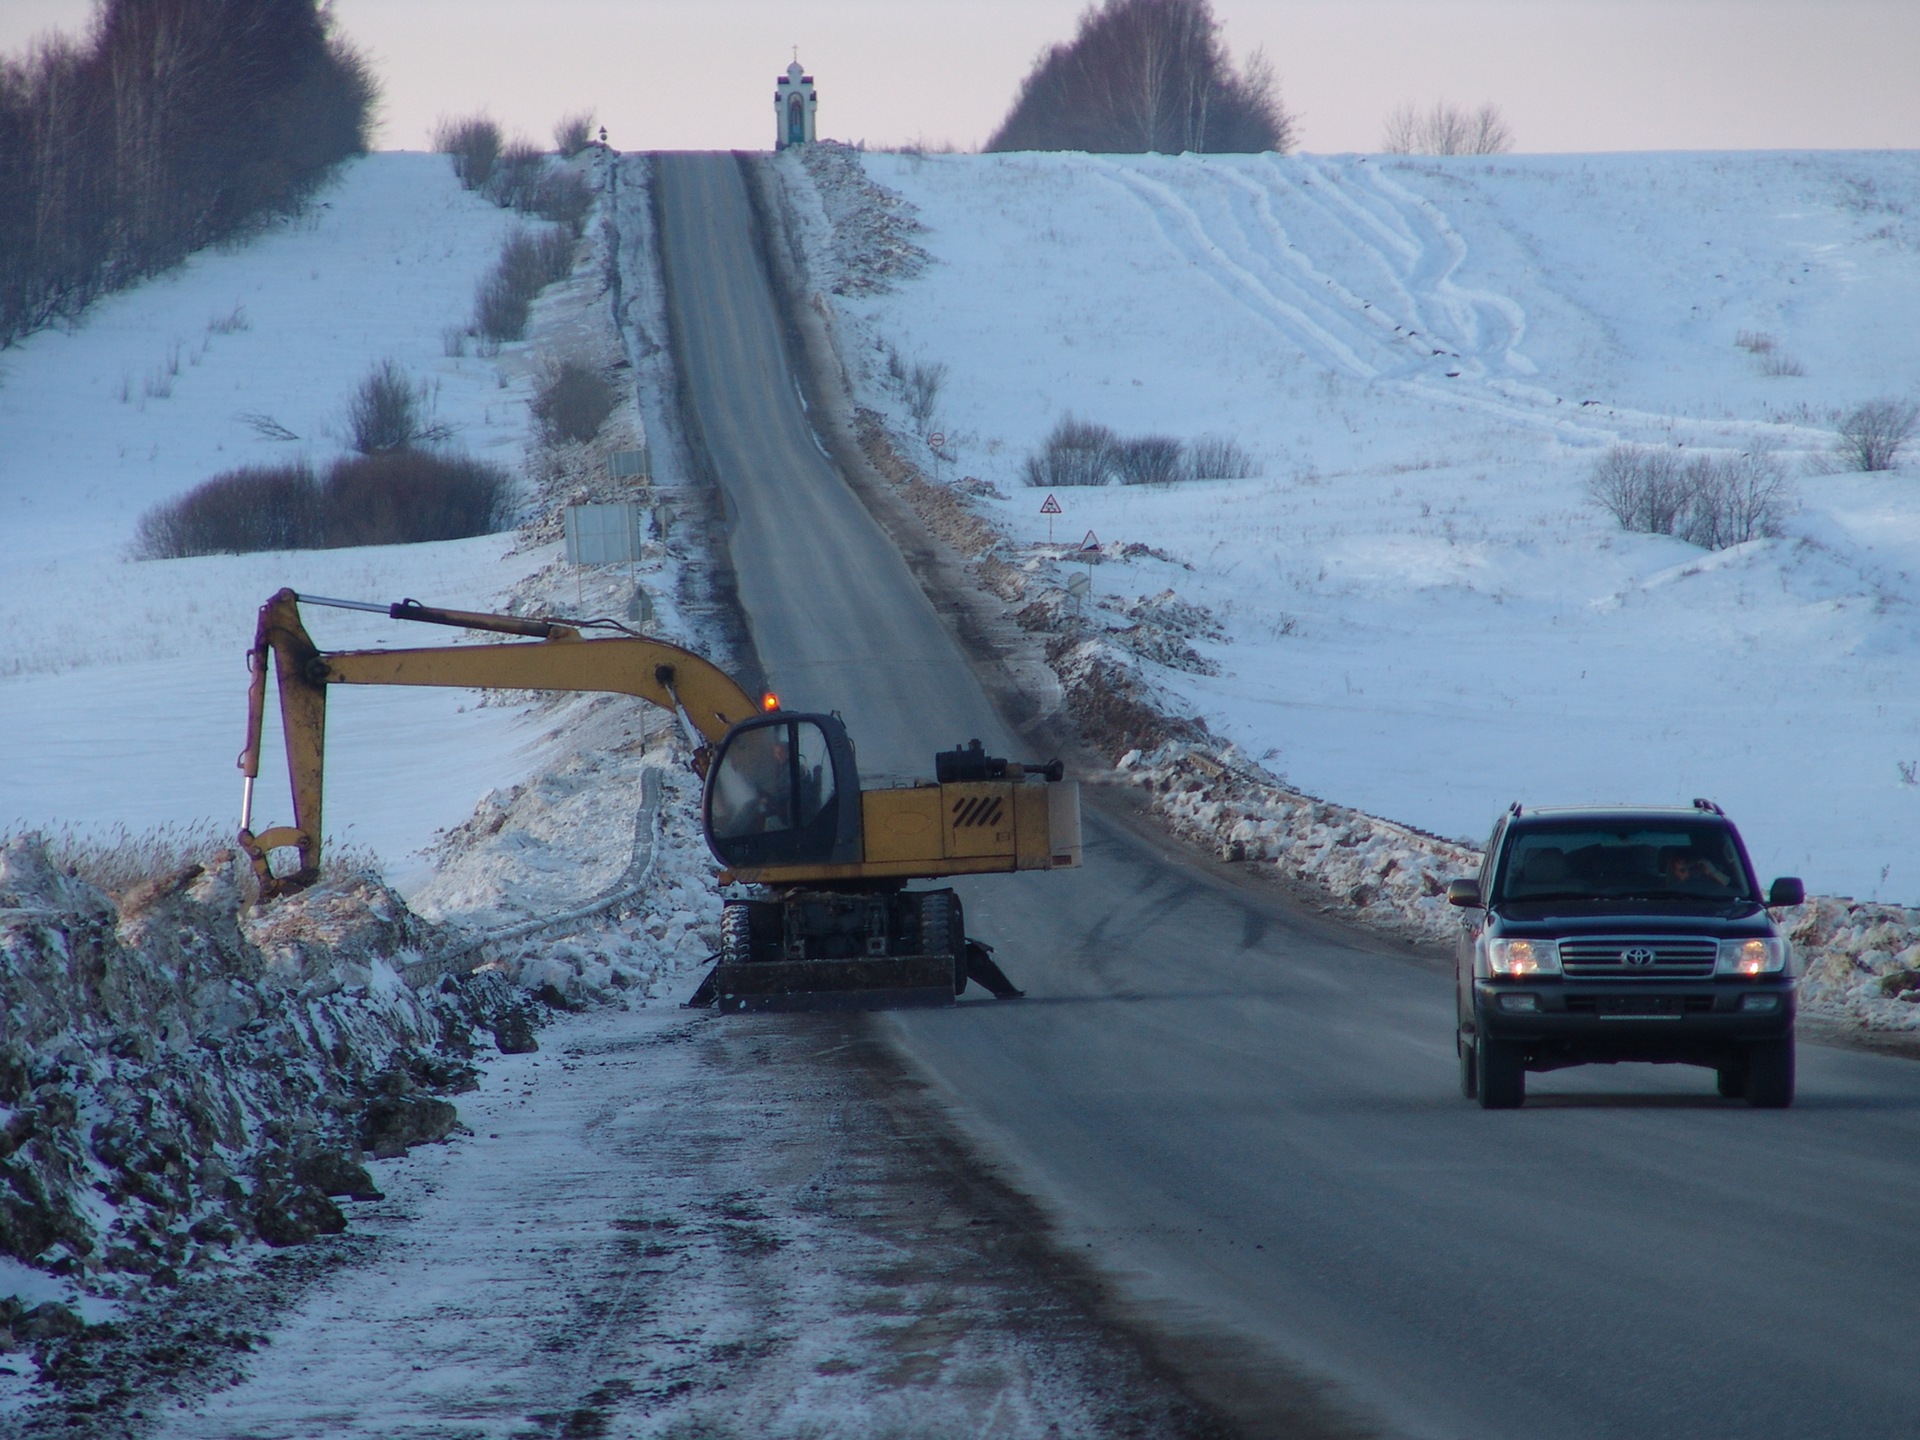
(750, 792)
(1692, 873)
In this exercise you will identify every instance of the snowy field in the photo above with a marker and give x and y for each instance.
(123, 683)
(1422, 615)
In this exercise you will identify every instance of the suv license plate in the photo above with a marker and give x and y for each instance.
(1641, 1007)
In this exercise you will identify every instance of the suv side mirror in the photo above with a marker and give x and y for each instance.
(1464, 892)
(1787, 891)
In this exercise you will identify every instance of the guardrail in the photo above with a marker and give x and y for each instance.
(633, 880)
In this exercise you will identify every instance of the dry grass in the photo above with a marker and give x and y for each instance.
(118, 860)
(573, 402)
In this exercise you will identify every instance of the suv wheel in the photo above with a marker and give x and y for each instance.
(1770, 1074)
(1502, 1074)
(1469, 1071)
(1730, 1077)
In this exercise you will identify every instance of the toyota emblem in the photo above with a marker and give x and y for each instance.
(1638, 955)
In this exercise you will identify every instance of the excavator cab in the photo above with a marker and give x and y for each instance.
(784, 790)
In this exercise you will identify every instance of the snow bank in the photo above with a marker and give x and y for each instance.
(181, 1076)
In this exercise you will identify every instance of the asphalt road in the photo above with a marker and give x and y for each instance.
(1251, 1116)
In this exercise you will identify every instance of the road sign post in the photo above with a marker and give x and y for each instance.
(1049, 507)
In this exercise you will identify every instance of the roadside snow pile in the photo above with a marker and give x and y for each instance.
(871, 229)
(1391, 877)
(181, 1078)
(1862, 962)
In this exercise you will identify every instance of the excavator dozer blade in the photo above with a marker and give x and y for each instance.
(876, 983)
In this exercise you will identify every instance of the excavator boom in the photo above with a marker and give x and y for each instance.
(783, 807)
(708, 700)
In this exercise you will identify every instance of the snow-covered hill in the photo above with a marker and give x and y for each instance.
(122, 684)
(1422, 614)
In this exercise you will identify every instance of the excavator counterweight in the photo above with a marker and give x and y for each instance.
(823, 918)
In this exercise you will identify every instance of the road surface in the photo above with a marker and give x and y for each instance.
(1251, 1116)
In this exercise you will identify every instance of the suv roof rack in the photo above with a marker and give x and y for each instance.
(1708, 806)
(1514, 808)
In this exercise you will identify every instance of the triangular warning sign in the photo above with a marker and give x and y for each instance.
(1092, 542)
(1049, 506)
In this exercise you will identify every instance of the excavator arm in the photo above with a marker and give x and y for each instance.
(553, 656)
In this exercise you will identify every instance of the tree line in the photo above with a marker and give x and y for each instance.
(1146, 75)
(169, 125)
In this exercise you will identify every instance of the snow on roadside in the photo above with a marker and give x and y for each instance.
(1409, 613)
(667, 1225)
(184, 1081)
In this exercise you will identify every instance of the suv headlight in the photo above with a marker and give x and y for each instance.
(1523, 957)
(1752, 957)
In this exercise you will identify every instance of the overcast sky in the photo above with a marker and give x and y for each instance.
(1567, 74)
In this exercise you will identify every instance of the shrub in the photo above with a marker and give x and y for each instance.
(474, 144)
(528, 263)
(1213, 457)
(573, 133)
(402, 497)
(410, 496)
(390, 412)
(257, 507)
(573, 402)
(1076, 453)
(1705, 500)
(1447, 129)
(516, 176)
(1143, 75)
(1872, 436)
(921, 383)
(1081, 453)
(1149, 460)
(564, 197)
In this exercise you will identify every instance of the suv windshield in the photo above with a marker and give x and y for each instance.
(1582, 860)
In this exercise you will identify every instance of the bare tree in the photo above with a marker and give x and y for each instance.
(1707, 500)
(573, 133)
(1146, 75)
(1873, 435)
(1446, 129)
(172, 124)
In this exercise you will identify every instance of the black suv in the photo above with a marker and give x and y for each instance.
(1593, 936)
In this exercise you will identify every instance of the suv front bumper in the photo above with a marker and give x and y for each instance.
(1676, 1020)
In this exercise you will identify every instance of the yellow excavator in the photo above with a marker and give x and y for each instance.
(823, 918)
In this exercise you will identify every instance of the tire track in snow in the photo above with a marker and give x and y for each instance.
(1395, 314)
(1293, 317)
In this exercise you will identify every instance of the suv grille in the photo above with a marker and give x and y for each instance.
(1632, 957)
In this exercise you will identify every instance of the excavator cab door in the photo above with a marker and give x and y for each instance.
(784, 790)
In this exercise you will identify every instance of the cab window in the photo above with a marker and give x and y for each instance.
(772, 797)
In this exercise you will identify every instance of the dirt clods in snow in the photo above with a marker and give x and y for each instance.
(181, 1076)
